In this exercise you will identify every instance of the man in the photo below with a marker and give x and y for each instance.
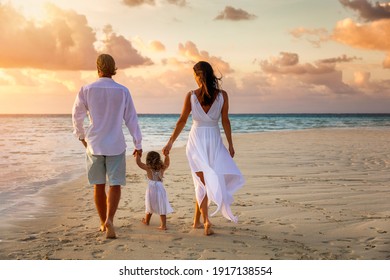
(107, 104)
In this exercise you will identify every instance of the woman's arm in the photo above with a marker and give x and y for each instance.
(167, 161)
(226, 122)
(180, 124)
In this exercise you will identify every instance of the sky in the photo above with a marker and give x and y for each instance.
(280, 56)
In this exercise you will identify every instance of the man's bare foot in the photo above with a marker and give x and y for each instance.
(162, 228)
(208, 230)
(144, 221)
(110, 231)
(102, 228)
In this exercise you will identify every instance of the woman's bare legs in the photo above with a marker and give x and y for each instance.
(203, 208)
(197, 223)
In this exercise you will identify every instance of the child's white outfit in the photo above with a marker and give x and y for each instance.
(156, 199)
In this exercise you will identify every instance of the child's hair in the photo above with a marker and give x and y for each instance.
(153, 160)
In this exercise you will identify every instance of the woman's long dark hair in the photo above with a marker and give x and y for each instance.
(209, 82)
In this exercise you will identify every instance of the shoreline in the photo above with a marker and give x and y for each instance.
(309, 194)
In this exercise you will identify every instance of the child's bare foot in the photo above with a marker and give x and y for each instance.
(208, 230)
(147, 218)
(110, 231)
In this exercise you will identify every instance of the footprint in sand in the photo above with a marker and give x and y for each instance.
(29, 238)
(122, 248)
(177, 239)
(98, 254)
(78, 249)
(239, 242)
(369, 247)
(64, 241)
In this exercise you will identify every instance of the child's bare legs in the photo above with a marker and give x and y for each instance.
(163, 218)
(146, 220)
(203, 208)
(163, 225)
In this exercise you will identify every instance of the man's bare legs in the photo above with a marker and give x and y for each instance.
(101, 204)
(106, 206)
(203, 208)
(114, 196)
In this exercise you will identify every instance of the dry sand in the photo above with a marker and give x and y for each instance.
(314, 194)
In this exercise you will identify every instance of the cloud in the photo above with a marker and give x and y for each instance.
(191, 52)
(180, 3)
(368, 11)
(315, 36)
(122, 50)
(151, 46)
(370, 36)
(361, 78)
(308, 75)
(340, 59)
(288, 63)
(64, 41)
(134, 3)
(156, 46)
(234, 14)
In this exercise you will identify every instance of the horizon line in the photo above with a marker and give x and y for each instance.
(140, 114)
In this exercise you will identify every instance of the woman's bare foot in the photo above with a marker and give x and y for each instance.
(110, 231)
(145, 222)
(208, 230)
(197, 225)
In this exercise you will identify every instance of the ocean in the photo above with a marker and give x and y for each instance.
(40, 151)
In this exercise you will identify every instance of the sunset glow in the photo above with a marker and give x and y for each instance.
(300, 56)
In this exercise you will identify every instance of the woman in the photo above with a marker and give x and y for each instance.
(215, 175)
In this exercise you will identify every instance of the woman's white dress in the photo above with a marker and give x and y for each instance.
(156, 199)
(206, 153)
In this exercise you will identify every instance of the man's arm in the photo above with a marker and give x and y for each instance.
(79, 112)
(139, 162)
(131, 121)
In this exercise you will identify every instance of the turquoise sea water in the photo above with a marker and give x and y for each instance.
(40, 151)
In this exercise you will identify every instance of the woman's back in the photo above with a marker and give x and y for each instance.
(212, 115)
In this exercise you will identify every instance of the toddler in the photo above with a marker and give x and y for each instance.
(156, 200)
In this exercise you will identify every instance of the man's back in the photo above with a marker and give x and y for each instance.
(108, 104)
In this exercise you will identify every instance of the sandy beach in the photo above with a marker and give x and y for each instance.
(313, 194)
